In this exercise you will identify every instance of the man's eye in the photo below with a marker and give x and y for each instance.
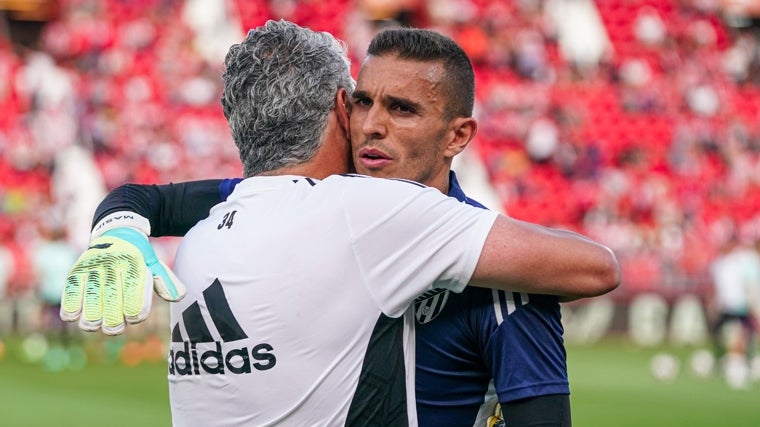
(362, 101)
(402, 108)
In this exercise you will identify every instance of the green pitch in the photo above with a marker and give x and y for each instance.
(95, 396)
(106, 393)
(611, 385)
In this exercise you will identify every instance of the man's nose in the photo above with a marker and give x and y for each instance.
(374, 125)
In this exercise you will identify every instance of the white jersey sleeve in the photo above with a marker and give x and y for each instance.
(435, 240)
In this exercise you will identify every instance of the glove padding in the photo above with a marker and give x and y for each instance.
(109, 285)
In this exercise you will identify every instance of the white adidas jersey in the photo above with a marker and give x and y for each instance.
(297, 290)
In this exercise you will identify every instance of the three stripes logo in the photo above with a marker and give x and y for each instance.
(200, 353)
(506, 303)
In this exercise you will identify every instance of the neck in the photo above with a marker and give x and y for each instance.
(332, 157)
(307, 169)
(441, 183)
(443, 187)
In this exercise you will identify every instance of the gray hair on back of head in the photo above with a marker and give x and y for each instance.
(279, 88)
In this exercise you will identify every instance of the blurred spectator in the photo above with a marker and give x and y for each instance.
(76, 188)
(7, 267)
(638, 89)
(215, 28)
(754, 279)
(582, 36)
(542, 140)
(739, 58)
(51, 258)
(703, 99)
(649, 27)
(734, 328)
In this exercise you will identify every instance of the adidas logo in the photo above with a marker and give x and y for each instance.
(199, 353)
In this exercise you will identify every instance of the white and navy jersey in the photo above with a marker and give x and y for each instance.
(473, 348)
(484, 346)
(297, 291)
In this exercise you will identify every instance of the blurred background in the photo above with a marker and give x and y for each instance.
(634, 122)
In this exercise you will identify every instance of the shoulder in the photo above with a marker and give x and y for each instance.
(473, 202)
(355, 179)
(377, 190)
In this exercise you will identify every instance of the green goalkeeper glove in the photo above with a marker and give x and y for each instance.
(109, 285)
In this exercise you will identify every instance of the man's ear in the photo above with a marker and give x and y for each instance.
(463, 131)
(342, 109)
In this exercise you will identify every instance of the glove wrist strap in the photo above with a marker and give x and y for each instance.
(121, 219)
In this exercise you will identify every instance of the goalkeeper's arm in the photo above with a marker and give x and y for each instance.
(109, 285)
(171, 209)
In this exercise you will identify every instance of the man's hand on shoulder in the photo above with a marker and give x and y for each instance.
(109, 285)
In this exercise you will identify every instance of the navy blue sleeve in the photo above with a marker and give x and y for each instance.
(172, 209)
(525, 348)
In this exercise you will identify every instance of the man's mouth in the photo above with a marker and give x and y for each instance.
(372, 159)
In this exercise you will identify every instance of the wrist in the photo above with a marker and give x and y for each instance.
(121, 219)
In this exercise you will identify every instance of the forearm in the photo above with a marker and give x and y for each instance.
(172, 209)
(525, 257)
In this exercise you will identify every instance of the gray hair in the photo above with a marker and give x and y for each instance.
(279, 88)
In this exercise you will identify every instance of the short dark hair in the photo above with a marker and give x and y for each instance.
(426, 45)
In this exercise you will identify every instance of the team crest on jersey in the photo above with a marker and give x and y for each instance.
(429, 305)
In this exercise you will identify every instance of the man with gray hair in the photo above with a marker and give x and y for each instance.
(300, 284)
